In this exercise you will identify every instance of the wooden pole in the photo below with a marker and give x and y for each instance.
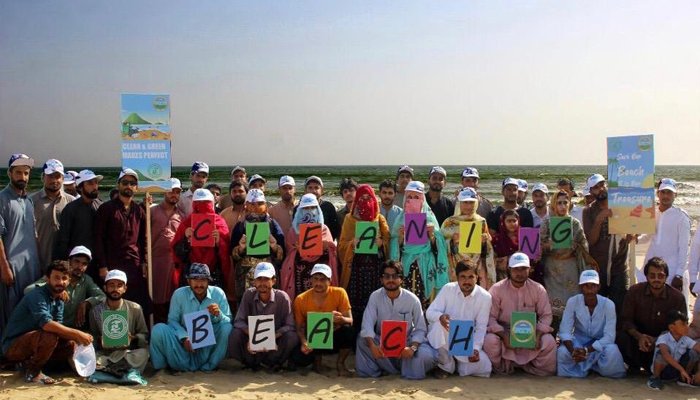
(149, 256)
(632, 262)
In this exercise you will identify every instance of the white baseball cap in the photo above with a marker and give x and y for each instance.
(238, 168)
(202, 195)
(19, 159)
(470, 172)
(405, 168)
(199, 166)
(128, 172)
(415, 186)
(438, 169)
(586, 191)
(518, 260)
(322, 269)
(80, 251)
(589, 276)
(541, 187)
(115, 274)
(522, 185)
(256, 177)
(175, 184)
(255, 195)
(265, 270)
(52, 166)
(313, 178)
(467, 194)
(509, 181)
(87, 175)
(594, 180)
(69, 177)
(308, 200)
(668, 184)
(286, 180)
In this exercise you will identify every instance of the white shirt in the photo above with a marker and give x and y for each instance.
(185, 202)
(536, 219)
(676, 348)
(694, 260)
(577, 212)
(670, 242)
(475, 307)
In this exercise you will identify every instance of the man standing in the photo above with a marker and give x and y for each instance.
(314, 185)
(522, 193)
(48, 205)
(82, 291)
(520, 294)
(69, 184)
(587, 333)
(170, 344)
(121, 238)
(540, 206)
(19, 256)
(387, 194)
(35, 332)
(643, 316)
(198, 178)
(215, 190)
(235, 213)
(509, 189)
(672, 238)
(466, 301)
(119, 361)
(165, 219)
(283, 211)
(348, 188)
(392, 303)
(262, 299)
(323, 297)
(77, 225)
(403, 176)
(238, 174)
(470, 178)
(442, 206)
(609, 251)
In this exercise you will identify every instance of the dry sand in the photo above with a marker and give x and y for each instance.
(231, 382)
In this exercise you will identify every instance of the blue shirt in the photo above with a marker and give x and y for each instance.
(184, 302)
(406, 307)
(580, 326)
(390, 215)
(35, 310)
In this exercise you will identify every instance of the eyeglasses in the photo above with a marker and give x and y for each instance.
(129, 183)
(391, 276)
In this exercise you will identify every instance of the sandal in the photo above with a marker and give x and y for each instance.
(40, 378)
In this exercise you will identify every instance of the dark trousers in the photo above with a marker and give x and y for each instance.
(616, 290)
(237, 349)
(343, 339)
(36, 348)
(634, 358)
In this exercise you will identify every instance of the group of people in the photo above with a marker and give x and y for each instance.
(66, 259)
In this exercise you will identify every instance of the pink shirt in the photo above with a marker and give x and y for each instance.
(163, 228)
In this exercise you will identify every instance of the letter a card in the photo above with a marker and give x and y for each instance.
(319, 330)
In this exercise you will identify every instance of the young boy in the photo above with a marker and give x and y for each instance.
(676, 354)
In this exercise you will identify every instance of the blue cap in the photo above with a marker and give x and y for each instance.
(198, 270)
(200, 166)
(470, 172)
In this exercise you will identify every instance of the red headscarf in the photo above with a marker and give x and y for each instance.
(502, 244)
(365, 209)
(206, 255)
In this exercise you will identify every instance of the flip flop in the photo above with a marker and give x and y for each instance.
(40, 378)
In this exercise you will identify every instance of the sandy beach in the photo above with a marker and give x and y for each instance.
(232, 382)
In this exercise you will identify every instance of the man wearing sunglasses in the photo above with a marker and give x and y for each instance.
(120, 241)
(672, 238)
(392, 303)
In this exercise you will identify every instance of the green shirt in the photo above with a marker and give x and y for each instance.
(84, 290)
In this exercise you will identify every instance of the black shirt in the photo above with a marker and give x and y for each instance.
(76, 228)
(442, 209)
(494, 218)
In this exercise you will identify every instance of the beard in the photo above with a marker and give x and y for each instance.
(436, 187)
(114, 296)
(126, 193)
(21, 185)
(602, 196)
(92, 195)
(238, 201)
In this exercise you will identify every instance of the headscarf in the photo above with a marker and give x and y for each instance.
(553, 204)
(434, 270)
(211, 256)
(307, 216)
(365, 209)
(450, 227)
(502, 243)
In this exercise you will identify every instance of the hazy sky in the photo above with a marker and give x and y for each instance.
(356, 82)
